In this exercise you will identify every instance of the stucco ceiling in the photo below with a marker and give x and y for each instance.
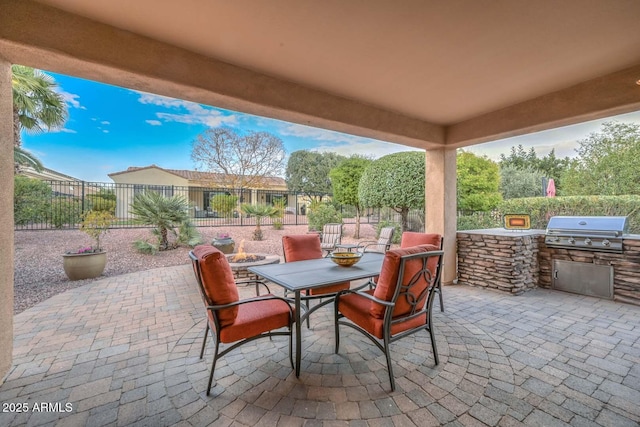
(444, 63)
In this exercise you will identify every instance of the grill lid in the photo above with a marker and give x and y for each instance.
(614, 226)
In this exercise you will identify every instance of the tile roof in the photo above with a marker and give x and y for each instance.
(198, 175)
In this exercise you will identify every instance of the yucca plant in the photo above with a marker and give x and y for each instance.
(169, 216)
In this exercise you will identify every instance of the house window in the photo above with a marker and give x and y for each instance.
(165, 190)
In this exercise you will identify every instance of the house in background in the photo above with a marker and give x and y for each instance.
(197, 187)
(61, 184)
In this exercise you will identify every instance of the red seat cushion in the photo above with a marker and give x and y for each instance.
(218, 281)
(255, 318)
(411, 238)
(357, 308)
(302, 247)
(389, 274)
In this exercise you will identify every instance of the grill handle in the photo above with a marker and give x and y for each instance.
(585, 232)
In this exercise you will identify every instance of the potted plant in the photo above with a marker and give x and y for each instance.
(224, 243)
(89, 261)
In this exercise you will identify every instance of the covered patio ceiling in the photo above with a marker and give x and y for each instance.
(428, 74)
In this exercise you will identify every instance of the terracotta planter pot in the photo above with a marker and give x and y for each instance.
(84, 266)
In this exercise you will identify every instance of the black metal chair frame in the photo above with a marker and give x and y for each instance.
(405, 292)
(216, 327)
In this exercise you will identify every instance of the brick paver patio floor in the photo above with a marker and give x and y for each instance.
(123, 351)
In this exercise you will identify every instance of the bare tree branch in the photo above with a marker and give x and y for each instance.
(240, 161)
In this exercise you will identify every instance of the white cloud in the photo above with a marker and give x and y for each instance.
(343, 143)
(187, 112)
(154, 122)
(63, 130)
(564, 139)
(71, 99)
(317, 134)
(104, 122)
(105, 131)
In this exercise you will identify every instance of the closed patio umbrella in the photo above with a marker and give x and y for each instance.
(551, 188)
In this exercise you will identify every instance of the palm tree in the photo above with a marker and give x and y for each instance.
(259, 211)
(22, 157)
(36, 107)
(165, 214)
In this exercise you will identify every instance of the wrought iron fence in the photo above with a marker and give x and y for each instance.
(61, 204)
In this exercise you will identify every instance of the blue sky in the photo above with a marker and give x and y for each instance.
(111, 128)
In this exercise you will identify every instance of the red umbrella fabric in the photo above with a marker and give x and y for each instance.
(551, 188)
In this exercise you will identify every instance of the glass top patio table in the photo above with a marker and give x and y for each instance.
(315, 273)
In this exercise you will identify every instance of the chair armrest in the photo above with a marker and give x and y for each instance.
(257, 284)
(365, 295)
(249, 300)
(362, 246)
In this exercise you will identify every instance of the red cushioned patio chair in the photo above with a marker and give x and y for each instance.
(300, 247)
(410, 238)
(400, 304)
(230, 319)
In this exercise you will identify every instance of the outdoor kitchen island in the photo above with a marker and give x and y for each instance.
(515, 261)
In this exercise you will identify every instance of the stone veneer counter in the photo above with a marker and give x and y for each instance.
(516, 261)
(501, 259)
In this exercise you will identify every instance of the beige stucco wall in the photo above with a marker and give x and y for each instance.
(440, 205)
(151, 176)
(6, 214)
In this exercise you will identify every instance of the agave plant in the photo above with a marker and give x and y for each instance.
(169, 216)
(260, 212)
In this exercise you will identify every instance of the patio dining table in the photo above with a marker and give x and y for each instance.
(315, 273)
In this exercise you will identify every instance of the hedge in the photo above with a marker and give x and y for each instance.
(542, 208)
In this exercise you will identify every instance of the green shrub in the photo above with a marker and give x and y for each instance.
(31, 200)
(321, 214)
(65, 211)
(479, 220)
(224, 204)
(101, 204)
(188, 234)
(543, 208)
(95, 224)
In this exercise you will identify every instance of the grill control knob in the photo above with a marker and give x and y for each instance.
(606, 242)
(571, 240)
(587, 241)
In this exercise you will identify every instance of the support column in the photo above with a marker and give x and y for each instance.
(441, 206)
(6, 219)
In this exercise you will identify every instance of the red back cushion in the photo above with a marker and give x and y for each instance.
(411, 238)
(301, 247)
(218, 281)
(389, 278)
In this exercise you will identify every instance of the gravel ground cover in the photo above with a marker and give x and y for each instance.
(39, 275)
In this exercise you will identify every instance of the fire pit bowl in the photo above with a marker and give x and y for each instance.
(345, 259)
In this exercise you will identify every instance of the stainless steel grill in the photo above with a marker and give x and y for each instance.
(588, 233)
